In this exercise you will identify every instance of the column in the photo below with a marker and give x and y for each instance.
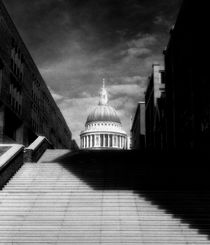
(87, 141)
(95, 141)
(108, 140)
(104, 140)
(90, 141)
(101, 140)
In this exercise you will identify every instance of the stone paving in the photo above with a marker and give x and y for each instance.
(45, 203)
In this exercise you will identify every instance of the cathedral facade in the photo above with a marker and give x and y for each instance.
(103, 128)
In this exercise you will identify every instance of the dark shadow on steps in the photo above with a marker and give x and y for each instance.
(176, 182)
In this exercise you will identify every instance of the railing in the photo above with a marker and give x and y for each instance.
(10, 162)
(36, 149)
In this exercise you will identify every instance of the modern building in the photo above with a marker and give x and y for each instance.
(138, 128)
(187, 79)
(160, 130)
(153, 96)
(103, 129)
(27, 108)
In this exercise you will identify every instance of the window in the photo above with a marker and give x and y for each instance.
(17, 60)
(15, 96)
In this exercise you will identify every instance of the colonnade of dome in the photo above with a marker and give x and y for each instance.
(101, 140)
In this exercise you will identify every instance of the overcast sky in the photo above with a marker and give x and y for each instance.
(77, 43)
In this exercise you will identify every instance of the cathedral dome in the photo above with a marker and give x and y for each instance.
(103, 129)
(103, 113)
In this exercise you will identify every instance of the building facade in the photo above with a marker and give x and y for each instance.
(187, 79)
(27, 108)
(103, 129)
(138, 128)
(153, 104)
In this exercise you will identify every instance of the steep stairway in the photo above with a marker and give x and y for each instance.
(73, 200)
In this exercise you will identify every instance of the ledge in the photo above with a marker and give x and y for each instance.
(36, 149)
(9, 155)
(10, 162)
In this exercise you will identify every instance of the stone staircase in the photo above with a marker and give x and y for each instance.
(51, 202)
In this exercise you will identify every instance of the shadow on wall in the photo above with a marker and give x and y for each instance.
(176, 183)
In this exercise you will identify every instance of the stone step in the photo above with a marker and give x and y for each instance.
(46, 203)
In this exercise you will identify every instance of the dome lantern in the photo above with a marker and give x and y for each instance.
(103, 95)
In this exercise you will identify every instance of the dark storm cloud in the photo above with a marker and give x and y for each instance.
(76, 43)
(97, 24)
